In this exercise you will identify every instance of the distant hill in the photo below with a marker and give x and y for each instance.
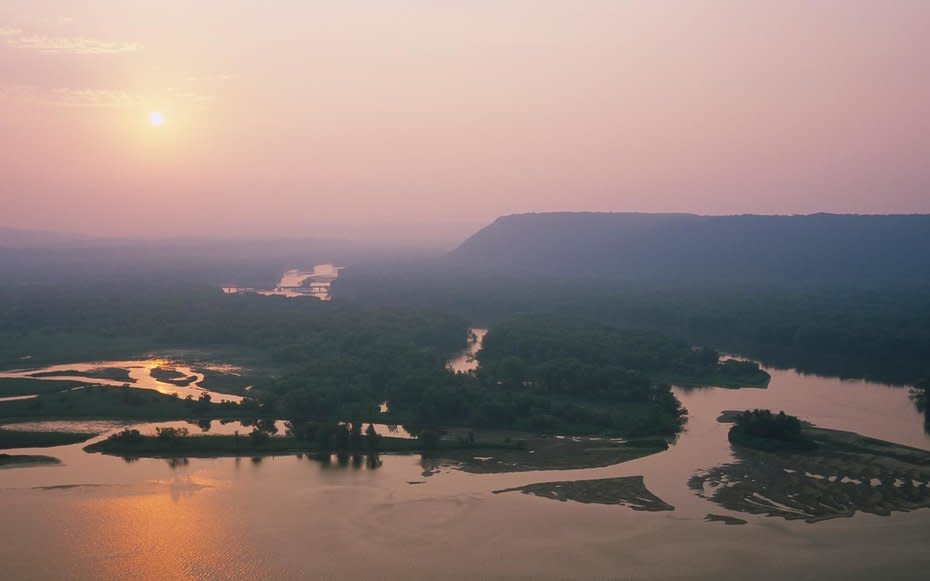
(814, 249)
(32, 256)
(19, 238)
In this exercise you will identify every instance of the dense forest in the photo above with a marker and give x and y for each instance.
(839, 295)
(321, 360)
(602, 390)
(64, 323)
(585, 332)
(883, 335)
(574, 356)
(843, 295)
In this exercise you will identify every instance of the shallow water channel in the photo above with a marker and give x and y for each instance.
(139, 373)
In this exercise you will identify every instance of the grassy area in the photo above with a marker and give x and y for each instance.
(851, 443)
(534, 452)
(627, 491)
(725, 519)
(632, 419)
(243, 445)
(201, 445)
(27, 386)
(172, 376)
(112, 373)
(226, 382)
(117, 403)
(11, 461)
(16, 439)
(741, 438)
(487, 451)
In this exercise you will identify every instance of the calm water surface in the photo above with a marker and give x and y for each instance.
(465, 361)
(289, 517)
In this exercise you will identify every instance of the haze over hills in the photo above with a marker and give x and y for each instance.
(36, 256)
(577, 247)
(237, 257)
(817, 248)
(438, 235)
(23, 238)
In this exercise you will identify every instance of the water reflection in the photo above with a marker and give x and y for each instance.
(466, 361)
(920, 395)
(174, 463)
(18, 397)
(163, 375)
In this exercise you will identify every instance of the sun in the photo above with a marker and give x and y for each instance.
(156, 119)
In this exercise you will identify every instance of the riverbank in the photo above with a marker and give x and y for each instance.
(131, 403)
(244, 445)
(10, 439)
(488, 452)
(23, 460)
(742, 379)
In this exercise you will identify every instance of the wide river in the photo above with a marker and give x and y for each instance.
(98, 517)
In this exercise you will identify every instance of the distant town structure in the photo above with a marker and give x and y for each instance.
(297, 283)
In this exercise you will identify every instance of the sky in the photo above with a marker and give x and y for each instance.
(297, 117)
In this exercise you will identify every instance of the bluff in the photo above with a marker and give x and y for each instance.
(819, 249)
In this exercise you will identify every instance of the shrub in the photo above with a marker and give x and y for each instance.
(765, 430)
(127, 436)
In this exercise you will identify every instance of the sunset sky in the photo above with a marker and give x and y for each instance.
(281, 116)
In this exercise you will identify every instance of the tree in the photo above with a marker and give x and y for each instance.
(356, 437)
(764, 430)
(429, 440)
(203, 402)
(127, 436)
(921, 397)
(324, 439)
(172, 435)
(258, 436)
(341, 442)
(372, 440)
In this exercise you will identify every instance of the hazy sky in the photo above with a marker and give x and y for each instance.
(281, 115)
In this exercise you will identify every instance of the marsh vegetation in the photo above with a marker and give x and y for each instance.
(37, 439)
(25, 460)
(841, 474)
(629, 491)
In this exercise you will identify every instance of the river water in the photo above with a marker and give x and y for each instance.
(466, 361)
(288, 517)
(141, 375)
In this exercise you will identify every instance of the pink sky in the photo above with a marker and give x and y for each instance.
(282, 116)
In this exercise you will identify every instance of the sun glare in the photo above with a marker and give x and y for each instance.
(156, 119)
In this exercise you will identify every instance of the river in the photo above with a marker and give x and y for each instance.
(289, 517)
(137, 373)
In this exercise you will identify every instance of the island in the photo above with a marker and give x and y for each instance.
(18, 460)
(833, 474)
(763, 430)
(628, 491)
